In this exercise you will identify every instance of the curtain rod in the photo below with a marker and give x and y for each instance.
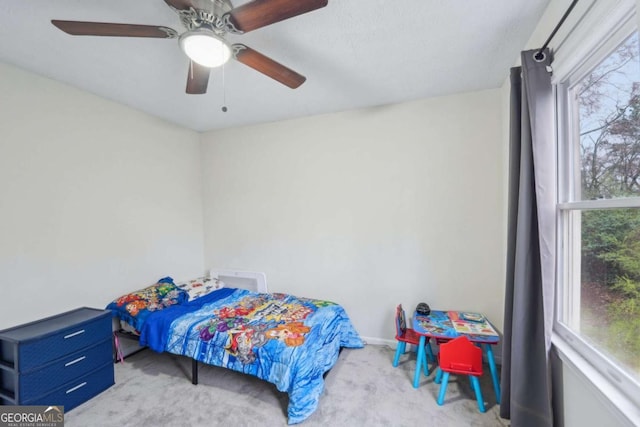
(539, 56)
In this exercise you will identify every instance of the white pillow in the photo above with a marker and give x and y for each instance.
(200, 286)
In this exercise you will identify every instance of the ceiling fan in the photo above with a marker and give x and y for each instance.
(206, 23)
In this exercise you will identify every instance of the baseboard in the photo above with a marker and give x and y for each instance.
(379, 341)
(389, 343)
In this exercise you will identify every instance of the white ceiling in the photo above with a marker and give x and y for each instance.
(354, 53)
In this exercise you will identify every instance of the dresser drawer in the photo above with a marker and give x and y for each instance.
(53, 375)
(37, 352)
(79, 390)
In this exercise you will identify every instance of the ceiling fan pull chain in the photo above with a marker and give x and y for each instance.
(191, 69)
(224, 92)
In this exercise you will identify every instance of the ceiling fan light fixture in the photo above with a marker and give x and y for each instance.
(205, 47)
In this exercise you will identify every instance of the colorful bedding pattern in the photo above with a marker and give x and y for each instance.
(134, 308)
(286, 340)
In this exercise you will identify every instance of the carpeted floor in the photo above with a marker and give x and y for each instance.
(362, 389)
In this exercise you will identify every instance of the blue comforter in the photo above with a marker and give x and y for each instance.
(286, 340)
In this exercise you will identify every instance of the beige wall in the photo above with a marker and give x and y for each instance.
(369, 208)
(96, 199)
(384, 205)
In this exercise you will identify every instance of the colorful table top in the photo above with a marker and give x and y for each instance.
(452, 324)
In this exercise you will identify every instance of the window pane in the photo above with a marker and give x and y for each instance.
(608, 104)
(610, 284)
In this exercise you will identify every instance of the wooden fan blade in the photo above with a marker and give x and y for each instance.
(79, 28)
(267, 66)
(180, 4)
(197, 79)
(260, 13)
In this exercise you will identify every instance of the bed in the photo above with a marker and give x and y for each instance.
(286, 340)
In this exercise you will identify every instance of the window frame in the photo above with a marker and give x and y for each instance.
(614, 26)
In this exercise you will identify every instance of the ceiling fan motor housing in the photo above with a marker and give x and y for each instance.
(208, 14)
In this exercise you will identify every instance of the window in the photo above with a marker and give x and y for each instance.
(599, 209)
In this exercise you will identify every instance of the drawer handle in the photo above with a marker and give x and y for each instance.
(74, 334)
(71, 390)
(73, 362)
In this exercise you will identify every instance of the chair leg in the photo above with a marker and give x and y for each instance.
(443, 388)
(399, 351)
(476, 388)
(438, 378)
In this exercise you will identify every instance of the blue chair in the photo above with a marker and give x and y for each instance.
(460, 356)
(406, 336)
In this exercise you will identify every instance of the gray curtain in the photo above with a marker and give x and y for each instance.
(526, 376)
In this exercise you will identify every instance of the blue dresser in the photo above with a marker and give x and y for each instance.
(62, 360)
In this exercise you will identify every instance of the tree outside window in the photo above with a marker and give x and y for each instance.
(608, 106)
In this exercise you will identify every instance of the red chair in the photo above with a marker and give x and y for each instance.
(460, 356)
(406, 336)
